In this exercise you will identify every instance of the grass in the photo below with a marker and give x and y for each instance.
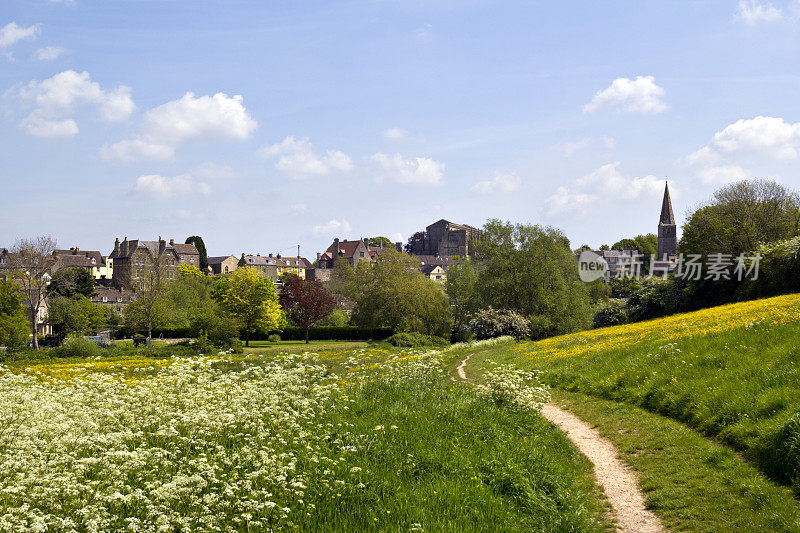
(729, 372)
(691, 483)
(345, 440)
(283, 346)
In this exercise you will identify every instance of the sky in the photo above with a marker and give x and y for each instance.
(263, 125)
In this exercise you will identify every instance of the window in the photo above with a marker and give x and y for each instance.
(2, 260)
(226, 270)
(360, 254)
(105, 299)
(119, 299)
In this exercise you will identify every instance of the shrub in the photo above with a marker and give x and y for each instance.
(416, 340)
(612, 313)
(274, 338)
(78, 347)
(490, 323)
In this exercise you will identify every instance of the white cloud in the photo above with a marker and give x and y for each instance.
(12, 33)
(160, 187)
(333, 227)
(297, 158)
(604, 182)
(48, 53)
(299, 208)
(570, 148)
(395, 134)
(62, 94)
(192, 118)
(135, 149)
(502, 182)
(639, 95)
(38, 126)
(610, 142)
(182, 121)
(752, 12)
(415, 170)
(721, 174)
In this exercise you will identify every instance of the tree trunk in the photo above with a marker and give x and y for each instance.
(307, 328)
(149, 335)
(35, 342)
(247, 338)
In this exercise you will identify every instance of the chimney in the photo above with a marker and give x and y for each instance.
(125, 244)
(366, 241)
(270, 255)
(279, 256)
(399, 246)
(172, 241)
(336, 247)
(116, 245)
(318, 256)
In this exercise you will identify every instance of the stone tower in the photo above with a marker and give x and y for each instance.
(667, 236)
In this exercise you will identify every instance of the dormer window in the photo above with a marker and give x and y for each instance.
(105, 299)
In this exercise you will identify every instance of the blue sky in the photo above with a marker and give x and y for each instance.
(263, 125)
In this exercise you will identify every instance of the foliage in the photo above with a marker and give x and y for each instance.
(377, 242)
(218, 326)
(14, 331)
(531, 270)
(338, 319)
(740, 217)
(78, 347)
(274, 337)
(306, 302)
(189, 271)
(489, 323)
(76, 315)
(201, 248)
(393, 293)
(72, 281)
(30, 262)
(612, 313)
(461, 287)
(654, 298)
(515, 388)
(250, 298)
(416, 340)
(151, 308)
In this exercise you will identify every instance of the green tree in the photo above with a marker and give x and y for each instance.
(250, 298)
(14, 330)
(532, 270)
(201, 248)
(71, 281)
(31, 260)
(392, 292)
(462, 289)
(151, 308)
(647, 245)
(75, 315)
(740, 217)
(381, 241)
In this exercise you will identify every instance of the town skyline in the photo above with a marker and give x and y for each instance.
(274, 131)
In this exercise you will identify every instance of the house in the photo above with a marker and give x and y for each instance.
(353, 251)
(224, 264)
(274, 266)
(115, 298)
(435, 272)
(444, 239)
(98, 265)
(131, 257)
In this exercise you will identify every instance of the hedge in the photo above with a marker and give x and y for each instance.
(328, 334)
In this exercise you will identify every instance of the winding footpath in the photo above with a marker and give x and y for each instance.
(618, 481)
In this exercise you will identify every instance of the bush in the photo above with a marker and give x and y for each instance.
(490, 323)
(417, 340)
(328, 334)
(78, 347)
(612, 313)
(462, 335)
(274, 338)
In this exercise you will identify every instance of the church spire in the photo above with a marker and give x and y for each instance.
(666, 209)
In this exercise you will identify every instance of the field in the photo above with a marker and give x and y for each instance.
(339, 440)
(729, 372)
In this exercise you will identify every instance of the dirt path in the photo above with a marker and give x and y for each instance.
(618, 481)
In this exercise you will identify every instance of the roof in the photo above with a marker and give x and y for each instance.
(346, 248)
(428, 269)
(219, 259)
(75, 261)
(112, 294)
(453, 225)
(667, 218)
(153, 247)
(91, 254)
(186, 249)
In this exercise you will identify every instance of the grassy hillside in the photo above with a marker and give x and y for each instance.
(730, 372)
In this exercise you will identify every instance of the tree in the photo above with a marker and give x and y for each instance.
(532, 270)
(151, 306)
(462, 289)
(377, 242)
(71, 281)
(306, 302)
(392, 292)
(250, 298)
(647, 246)
(13, 322)
(75, 315)
(30, 262)
(740, 217)
(201, 248)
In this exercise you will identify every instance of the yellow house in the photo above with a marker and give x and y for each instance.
(435, 273)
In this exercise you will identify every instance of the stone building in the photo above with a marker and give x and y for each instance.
(225, 264)
(132, 257)
(445, 239)
(98, 265)
(115, 298)
(667, 230)
(274, 266)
